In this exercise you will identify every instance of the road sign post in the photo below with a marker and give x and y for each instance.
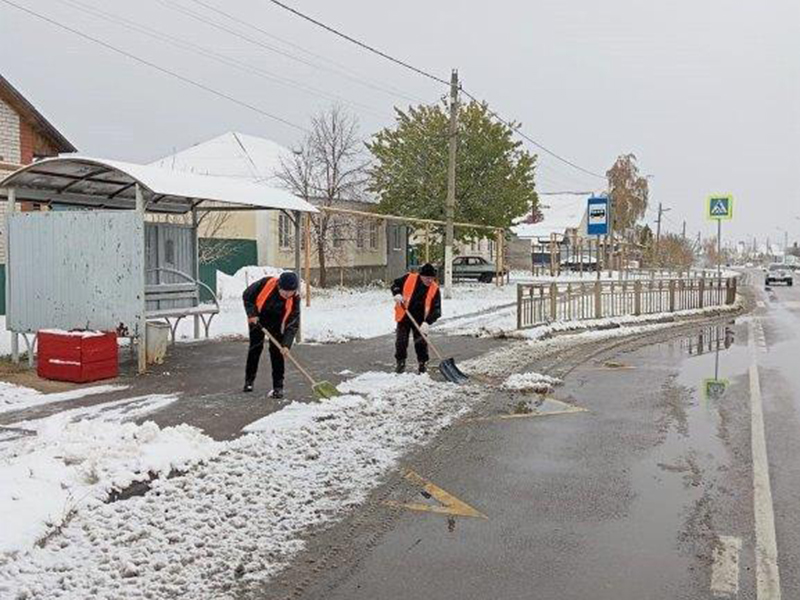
(598, 221)
(719, 209)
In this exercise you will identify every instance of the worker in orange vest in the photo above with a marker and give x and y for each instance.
(417, 293)
(271, 303)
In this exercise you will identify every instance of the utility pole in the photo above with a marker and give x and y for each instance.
(450, 207)
(661, 212)
(684, 230)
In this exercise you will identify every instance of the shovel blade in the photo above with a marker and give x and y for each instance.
(451, 372)
(325, 390)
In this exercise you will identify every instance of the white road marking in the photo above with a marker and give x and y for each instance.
(768, 586)
(725, 568)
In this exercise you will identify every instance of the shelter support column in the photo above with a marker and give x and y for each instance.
(196, 266)
(11, 207)
(307, 234)
(298, 266)
(142, 325)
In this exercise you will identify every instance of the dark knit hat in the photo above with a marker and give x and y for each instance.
(427, 270)
(288, 281)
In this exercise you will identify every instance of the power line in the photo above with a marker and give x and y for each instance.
(341, 69)
(361, 44)
(191, 47)
(153, 65)
(429, 75)
(517, 128)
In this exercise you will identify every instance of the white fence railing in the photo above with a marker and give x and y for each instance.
(540, 303)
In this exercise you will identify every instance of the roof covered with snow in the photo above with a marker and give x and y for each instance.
(231, 154)
(79, 180)
(560, 211)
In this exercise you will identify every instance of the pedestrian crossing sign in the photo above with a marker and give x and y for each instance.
(714, 389)
(720, 208)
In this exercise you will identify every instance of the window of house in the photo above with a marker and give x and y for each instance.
(373, 234)
(284, 232)
(397, 237)
(360, 234)
(337, 232)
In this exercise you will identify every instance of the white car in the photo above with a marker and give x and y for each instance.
(779, 272)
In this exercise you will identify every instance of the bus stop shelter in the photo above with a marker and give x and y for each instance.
(107, 257)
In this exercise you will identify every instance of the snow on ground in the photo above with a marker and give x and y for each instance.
(530, 382)
(231, 523)
(341, 314)
(15, 397)
(69, 462)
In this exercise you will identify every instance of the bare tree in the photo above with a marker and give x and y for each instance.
(211, 226)
(327, 168)
(674, 251)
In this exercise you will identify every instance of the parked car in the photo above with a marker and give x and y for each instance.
(474, 267)
(779, 272)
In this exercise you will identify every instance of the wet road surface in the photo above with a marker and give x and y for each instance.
(669, 485)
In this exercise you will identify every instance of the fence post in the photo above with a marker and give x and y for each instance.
(598, 300)
(671, 295)
(637, 297)
(519, 306)
(553, 301)
(702, 287)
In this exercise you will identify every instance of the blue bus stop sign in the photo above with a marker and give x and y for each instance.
(598, 217)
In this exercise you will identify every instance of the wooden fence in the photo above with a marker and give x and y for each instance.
(540, 303)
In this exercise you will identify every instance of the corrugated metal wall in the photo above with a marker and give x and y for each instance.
(74, 270)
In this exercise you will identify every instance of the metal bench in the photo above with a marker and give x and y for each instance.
(181, 293)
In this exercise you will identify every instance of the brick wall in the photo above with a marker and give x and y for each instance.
(10, 150)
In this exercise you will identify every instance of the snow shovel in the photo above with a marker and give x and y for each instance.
(447, 366)
(322, 389)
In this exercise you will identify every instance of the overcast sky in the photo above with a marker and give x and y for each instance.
(706, 93)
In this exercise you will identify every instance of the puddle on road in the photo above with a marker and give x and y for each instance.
(676, 483)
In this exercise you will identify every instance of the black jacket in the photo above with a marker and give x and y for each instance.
(417, 304)
(271, 315)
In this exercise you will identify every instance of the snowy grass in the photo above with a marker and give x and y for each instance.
(16, 397)
(231, 523)
(337, 315)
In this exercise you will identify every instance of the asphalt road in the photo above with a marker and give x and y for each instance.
(680, 480)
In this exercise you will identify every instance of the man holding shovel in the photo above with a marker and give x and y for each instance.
(417, 293)
(271, 303)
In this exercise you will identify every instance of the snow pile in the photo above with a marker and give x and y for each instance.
(72, 466)
(15, 397)
(230, 287)
(531, 382)
(228, 525)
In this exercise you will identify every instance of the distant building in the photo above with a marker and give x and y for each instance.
(362, 250)
(563, 221)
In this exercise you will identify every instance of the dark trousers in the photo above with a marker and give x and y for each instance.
(257, 341)
(405, 327)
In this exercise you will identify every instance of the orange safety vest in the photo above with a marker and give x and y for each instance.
(408, 291)
(266, 291)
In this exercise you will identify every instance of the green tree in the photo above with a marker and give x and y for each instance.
(494, 173)
(628, 192)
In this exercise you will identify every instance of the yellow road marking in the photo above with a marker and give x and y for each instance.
(450, 505)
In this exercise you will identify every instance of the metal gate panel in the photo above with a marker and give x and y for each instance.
(169, 246)
(75, 270)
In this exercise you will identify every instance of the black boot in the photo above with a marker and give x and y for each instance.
(423, 368)
(248, 386)
(400, 367)
(277, 393)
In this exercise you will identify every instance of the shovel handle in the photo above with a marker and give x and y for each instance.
(289, 355)
(424, 337)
